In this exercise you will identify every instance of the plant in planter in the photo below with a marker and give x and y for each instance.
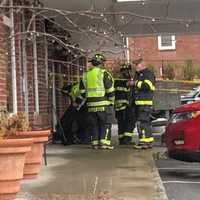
(12, 159)
(34, 157)
(11, 124)
(17, 127)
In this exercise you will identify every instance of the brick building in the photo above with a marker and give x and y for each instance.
(158, 51)
(33, 65)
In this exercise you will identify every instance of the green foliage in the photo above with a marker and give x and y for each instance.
(189, 71)
(151, 67)
(198, 72)
(169, 71)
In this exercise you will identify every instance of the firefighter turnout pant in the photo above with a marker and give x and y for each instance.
(98, 128)
(144, 119)
(126, 124)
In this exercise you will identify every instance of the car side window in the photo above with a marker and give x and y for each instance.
(176, 117)
(198, 94)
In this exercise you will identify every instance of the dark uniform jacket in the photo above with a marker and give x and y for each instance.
(122, 94)
(144, 87)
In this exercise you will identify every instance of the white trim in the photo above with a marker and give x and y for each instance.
(181, 182)
(127, 50)
(13, 61)
(35, 68)
(24, 64)
(178, 168)
(171, 47)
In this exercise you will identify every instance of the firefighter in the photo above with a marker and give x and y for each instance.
(74, 121)
(97, 90)
(144, 82)
(124, 112)
(64, 126)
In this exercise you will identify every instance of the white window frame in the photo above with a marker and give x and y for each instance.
(171, 47)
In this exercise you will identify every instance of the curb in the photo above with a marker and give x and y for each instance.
(159, 187)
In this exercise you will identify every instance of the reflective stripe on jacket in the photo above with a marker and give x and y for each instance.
(74, 91)
(96, 90)
(144, 87)
(122, 92)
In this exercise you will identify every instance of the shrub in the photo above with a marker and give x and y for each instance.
(9, 125)
(198, 72)
(189, 71)
(151, 67)
(168, 71)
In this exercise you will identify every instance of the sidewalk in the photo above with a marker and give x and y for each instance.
(80, 173)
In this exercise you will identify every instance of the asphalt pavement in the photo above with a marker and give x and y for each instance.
(181, 179)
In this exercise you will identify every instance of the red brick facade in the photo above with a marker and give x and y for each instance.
(65, 73)
(187, 47)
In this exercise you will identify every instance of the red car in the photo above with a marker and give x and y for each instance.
(182, 135)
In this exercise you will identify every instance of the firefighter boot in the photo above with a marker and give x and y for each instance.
(106, 147)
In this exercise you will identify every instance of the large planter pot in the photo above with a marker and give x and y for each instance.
(34, 157)
(12, 158)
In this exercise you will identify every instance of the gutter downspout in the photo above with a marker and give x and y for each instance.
(13, 60)
(25, 74)
(127, 50)
(35, 64)
(54, 98)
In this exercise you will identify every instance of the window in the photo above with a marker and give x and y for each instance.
(166, 42)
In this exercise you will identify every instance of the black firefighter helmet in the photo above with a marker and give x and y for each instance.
(125, 67)
(98, 59)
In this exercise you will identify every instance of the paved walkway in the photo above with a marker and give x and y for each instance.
(80, 173)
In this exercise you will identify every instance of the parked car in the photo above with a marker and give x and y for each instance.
(192, 96)
(182, 136)
(158, 130)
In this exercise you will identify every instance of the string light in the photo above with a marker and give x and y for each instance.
(94, 15)
(143, 3)
(105, 20)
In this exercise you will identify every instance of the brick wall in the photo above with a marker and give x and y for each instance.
(187, 47)
(68, 72)
(3, 65)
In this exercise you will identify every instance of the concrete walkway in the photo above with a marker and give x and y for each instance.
(80, 173)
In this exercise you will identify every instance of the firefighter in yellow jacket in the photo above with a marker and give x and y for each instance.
(97, 91)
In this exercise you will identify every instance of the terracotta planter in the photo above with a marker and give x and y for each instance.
(34, 157)
(12, 158)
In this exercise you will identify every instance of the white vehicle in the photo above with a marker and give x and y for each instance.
(192, 96)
